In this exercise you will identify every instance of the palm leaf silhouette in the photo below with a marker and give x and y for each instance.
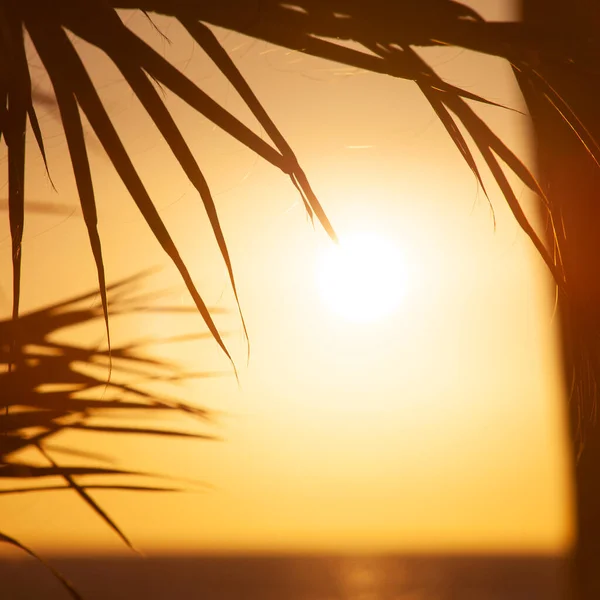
(99, 23)
(76, 398)
(387, 31)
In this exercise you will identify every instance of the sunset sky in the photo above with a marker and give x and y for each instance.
(436, 426)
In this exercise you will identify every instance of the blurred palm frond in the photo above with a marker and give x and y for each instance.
(65, 582)
(56, 387)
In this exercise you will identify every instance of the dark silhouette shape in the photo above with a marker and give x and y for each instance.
(570, 178)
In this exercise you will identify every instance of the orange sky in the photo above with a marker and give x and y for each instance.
(438, 427)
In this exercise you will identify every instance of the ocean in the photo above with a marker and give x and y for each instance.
(291, 578)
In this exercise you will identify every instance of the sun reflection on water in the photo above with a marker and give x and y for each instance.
(362, 580)
(372, 579)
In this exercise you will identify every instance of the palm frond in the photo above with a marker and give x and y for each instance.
(388, 31)
(76, 399)
(320, 28)
(98, 23)
(64, 581)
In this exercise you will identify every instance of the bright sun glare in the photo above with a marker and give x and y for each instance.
(363, 278)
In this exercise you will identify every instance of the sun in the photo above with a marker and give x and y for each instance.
(363, 278)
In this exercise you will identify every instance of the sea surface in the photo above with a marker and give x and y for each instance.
(291, 578)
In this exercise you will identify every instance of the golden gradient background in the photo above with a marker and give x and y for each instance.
(439, 428)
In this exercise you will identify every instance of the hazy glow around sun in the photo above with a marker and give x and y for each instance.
(363, 278)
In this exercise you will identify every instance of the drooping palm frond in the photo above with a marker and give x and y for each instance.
(47, 25)
(389, 33)
(52, 390)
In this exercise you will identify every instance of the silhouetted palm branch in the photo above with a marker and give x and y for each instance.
(47, 25)
(388, 32)
(76, 399)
